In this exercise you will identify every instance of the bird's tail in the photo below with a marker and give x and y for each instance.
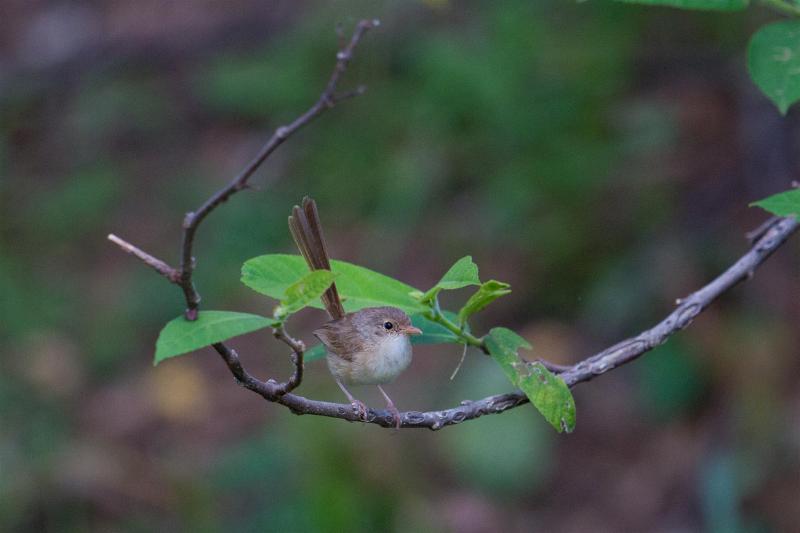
(307, 233)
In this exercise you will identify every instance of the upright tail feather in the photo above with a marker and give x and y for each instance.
(307, 233)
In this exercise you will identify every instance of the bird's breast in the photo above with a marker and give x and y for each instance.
(375, 367)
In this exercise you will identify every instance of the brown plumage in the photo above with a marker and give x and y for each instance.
(367, 347)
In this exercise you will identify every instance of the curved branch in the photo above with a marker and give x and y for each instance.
(600, 363)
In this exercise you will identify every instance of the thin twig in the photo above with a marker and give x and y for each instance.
(298, 351)
(156, 264)
(192, 220)
(764, 227)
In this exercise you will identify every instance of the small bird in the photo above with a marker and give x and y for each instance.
(368, 347)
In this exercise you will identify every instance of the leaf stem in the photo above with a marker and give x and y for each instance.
(466, 337)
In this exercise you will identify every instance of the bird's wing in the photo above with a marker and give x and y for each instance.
(341, 337)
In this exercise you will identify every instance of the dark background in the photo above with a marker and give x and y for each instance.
(600, 157)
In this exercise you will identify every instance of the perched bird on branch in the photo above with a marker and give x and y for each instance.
(368, 347)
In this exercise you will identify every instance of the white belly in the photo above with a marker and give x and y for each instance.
(392, 356)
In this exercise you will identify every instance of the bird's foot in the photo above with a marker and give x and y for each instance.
(360, 409)
(395, 416)
(398, 420)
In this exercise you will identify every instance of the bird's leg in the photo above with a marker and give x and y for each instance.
(392, 409)
(359, 408)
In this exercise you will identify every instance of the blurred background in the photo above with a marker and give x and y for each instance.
(600, 157)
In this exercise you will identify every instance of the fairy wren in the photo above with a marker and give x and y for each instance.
(367, 347)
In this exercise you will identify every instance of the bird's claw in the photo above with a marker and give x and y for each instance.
(395, 416)
(360, 409)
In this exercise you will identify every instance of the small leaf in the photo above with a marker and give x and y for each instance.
(358, 287)
(773, 59)
(486, 294)
(305, 291)
(462, 274)
(180, 336)
(711, 5)
(547, 392)
(783, 204)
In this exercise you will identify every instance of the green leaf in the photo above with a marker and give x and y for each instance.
(359, 287)
(180, 336)
(547, 392)
(712, 5)
(773, 59)
(508, 340)
(462, 274)
(304, 291)
(783, 204)
(486, 294)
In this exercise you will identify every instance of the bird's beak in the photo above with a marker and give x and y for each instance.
(411, 330)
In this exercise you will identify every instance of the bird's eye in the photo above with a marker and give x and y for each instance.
(388, 325)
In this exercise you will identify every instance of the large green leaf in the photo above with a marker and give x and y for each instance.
(713, 5)
(773, 58)
(783, 204)
(180, 336)
(486, 294)
(547, 392)
(462, 274)
(359, 287)
(304, 291)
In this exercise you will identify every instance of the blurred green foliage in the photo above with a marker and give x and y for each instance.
(572, 149)
(671, 382)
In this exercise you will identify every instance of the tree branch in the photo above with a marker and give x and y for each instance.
(600, 363)
(192, 220)
(156, 264)
(270, 390)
